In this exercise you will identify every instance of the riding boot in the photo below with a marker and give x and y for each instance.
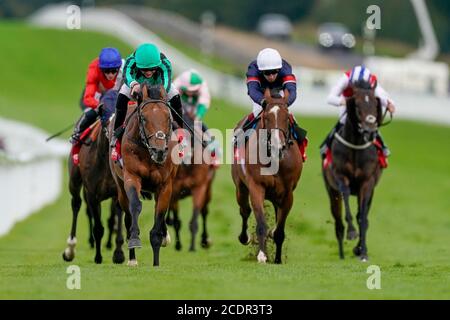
(299, 136)
(326, 144)
(384, 147)
(121, 113)
(87, 118)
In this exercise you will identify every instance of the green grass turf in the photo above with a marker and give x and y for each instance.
(409, 232)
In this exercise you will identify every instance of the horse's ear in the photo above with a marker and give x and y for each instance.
(162, 92)
(144, 91)
(379, 112)
(267, 95)
(351, 108)
(286, 95)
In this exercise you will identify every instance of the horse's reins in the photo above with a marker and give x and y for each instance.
(368, 144)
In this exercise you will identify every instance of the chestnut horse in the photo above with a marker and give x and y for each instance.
(355, 169)
(196, 180)
(94, 176)
(278, 186)
(147, 168)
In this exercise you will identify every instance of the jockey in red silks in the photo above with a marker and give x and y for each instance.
(104, 74)
(269, 70)
(343, 89)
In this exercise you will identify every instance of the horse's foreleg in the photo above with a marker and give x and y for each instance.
(111, 224)
(345, 191)
(364, 201)
(244, 210)
(159, 236)
(124, 204)
(198, 198)
(278, 234)
(132, 185)
(257, 194)
(98, 230)
(336, 210)
(118, 256)
(75, 188)
(206, 242)
(176, 224)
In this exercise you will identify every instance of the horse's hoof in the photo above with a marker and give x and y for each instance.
(262, 258)
(166, 240)
(118, 257)
(244, 239)
(132, 263)
(206, 244)
(352, 235)
(357, 251)
(98, 259)
(67, 255)
(363, 258)
(178, 246)
(134, 243)
(109, 245)
(192, 249)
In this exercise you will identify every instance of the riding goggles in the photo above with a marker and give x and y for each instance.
(110, 70)
(270, 72)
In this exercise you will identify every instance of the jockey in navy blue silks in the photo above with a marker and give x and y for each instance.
(269, 70)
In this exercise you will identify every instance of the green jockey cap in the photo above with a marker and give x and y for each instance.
(148, 56)
(195, 82)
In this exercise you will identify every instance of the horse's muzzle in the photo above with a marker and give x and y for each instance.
(159, 155)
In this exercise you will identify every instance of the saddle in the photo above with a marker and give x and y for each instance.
(382, 159)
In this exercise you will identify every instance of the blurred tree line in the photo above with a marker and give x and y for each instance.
(398, 20)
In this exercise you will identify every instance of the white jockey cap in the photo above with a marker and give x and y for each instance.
(269, 59)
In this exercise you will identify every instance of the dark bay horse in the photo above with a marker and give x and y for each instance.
(192, 179)
(355, 169)
(147, 168)
(251, 180)
(93, 175)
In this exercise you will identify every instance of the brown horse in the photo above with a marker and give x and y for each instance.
(94, 176)
(355, 169)
(147, 168)
(257, 179)
(196, 180)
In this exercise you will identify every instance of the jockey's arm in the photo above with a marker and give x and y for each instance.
(120, 77)
(90, 99)
(289, 82)
(335, 97)
(386, 101)
(253, 85)
(204, 100)
(166, 76)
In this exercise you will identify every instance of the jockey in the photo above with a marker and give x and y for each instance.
(269, 70)
(194, 93)
(147, 64)
(195, 98)
(343, 89)
(104, 73)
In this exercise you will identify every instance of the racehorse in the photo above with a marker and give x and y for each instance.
(192, 179)
(94, 176)
(354, 168)
(276, 187)
(147, 168)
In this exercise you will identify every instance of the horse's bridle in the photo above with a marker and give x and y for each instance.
(287, 136)
(160, 135)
